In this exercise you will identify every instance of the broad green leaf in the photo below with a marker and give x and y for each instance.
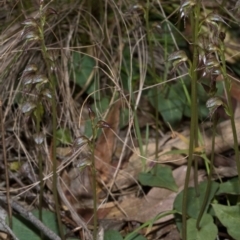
(202, 97)
(159, 176)
(84, 71)
(195, 202)
(24, 229)
(171, 111)
(229, 216)
(102, 105)
(112, 235)
(64, 136)
(171, 103)
(136, 237)
(229, 187)
(178, 221)
(208, 230)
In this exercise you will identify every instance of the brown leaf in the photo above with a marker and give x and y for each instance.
(106, 142)
(158, 200)
(225, 166)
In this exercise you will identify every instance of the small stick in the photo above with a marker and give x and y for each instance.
(29, 216)
(6, 166)
(8, 229)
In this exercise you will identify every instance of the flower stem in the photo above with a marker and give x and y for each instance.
(230, 106)
(48, 63)
(194, 116)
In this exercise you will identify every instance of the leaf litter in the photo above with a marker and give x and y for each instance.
(121, 199)
(128, 205)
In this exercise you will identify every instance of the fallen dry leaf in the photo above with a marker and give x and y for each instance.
(157, 200)
(106, 142)
(223, 140)
(225, 166)
(76, 184)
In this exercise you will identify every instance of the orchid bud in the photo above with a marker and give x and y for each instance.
(47, 93)
(214, 102)
(91, 113)
(212, 62)
(102, 124)
(185, 7)
(216, 71)
(179, 57)
(34, 78)
(30, 22)
(27, 107)
(180, 54)
(214, 17)
(30, 68)
(31, 36)
(80, 141)
(39, 138)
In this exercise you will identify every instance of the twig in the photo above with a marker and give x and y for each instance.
(8, 229)
(5, 165)
(75, 216)
(30, 217)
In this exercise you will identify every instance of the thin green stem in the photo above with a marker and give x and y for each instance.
(148, 223)
(140, 142)
(209, 184)
(153, 70)
(54, 119)
(40, 160)
(94, 181)
(194, 120)
(230, 106)
(54, 159)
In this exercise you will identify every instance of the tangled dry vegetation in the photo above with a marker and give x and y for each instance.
(77, 78)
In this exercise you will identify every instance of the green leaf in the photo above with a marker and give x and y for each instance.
(136, 237)
(171, 111)
(194, 202)
(208, 230)
(229, 216)
(112, 235)
(64, 136)
(229, 187)
(171, 103)
(88, 128)
(84, 71)
(102, 105)
(24, 229)
(159, 176)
